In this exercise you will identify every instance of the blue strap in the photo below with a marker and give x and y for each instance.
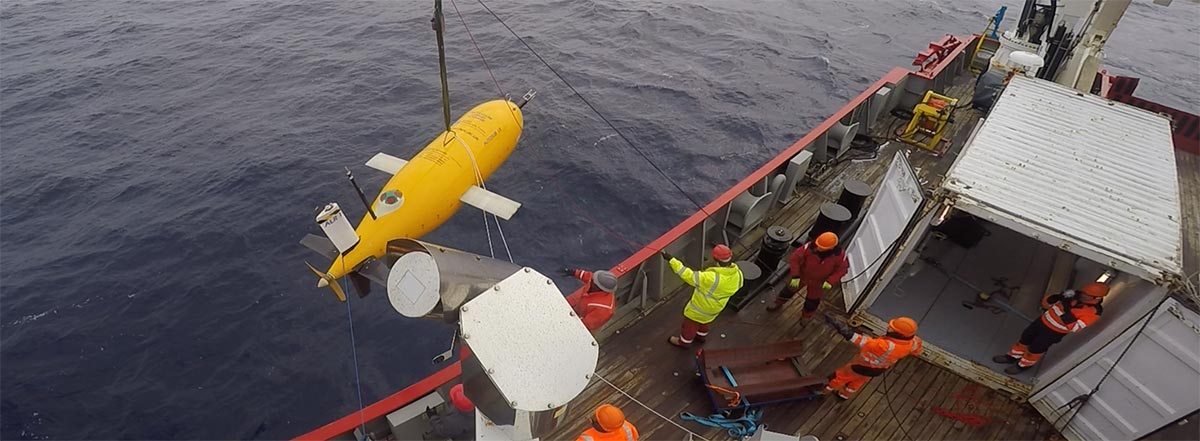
(729, 376)
(736, 427)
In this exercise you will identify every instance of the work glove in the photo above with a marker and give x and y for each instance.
(826, 286)
(665, 255)
(1068, 317)
(794, 284)
(568, 271)
(838, 326)
(1068, 294)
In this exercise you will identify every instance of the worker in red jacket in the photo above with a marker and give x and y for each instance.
(593, 303)
(816, 265)
(1066, 312)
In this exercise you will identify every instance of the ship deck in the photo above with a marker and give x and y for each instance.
(915, 400)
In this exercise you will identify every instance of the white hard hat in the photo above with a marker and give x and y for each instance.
(605, 280)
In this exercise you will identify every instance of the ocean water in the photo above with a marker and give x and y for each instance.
(160, 159)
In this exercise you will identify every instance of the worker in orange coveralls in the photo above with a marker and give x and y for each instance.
(609, 424)
(594, 303)
(1066, 312)
(817, 265)
(875, 356)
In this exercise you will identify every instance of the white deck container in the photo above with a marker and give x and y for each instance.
(1052, 175)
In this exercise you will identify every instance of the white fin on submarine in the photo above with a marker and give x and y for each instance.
(490, 202)
(386, 163)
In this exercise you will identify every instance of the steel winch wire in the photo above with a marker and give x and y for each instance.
(481, 57)
(888, 399)
(362, 424)
(655, 412)
(483, 185)
(1078, 402)
(1082, 400)
(486, 65)
(595, 110)
(479, 178)
(867, 269)
(500, 90)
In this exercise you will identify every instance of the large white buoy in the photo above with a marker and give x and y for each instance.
(335, 225)
(1027, 62)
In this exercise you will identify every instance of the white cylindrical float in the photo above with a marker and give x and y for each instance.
(335, 225)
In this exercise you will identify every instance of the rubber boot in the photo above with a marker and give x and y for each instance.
(677, 342)
(1014, 370)
(1003, 359)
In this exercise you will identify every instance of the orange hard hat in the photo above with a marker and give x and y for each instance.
(1095, 289)
(903, 325)
(826, 241)
(459, 399)
(609, 418)
(722, 253)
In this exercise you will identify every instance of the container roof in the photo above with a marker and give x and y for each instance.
(1089, 172)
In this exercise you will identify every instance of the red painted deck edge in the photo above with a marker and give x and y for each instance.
(387, 405)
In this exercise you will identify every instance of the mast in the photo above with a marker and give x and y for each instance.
(1087, 49)
(1069, 35)
(439, 24)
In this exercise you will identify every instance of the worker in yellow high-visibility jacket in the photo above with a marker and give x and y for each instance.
(713, 288)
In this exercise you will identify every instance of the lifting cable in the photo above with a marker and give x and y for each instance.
(469, 34)
(888, 399)
(655, 412)
(362, 424)
(483, 185)
(1078, 402)
(557, 183)
(474, 165)
(595, 110)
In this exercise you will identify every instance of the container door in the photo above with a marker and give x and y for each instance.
(1156, 383)
(894, 205)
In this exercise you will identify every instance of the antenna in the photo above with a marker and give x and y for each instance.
(439, 24)
(361, 196)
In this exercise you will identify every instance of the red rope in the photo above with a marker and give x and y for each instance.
(737, 396)
(969, 419)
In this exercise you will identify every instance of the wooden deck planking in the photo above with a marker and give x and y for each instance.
(654, 382)
(902, 404)
(871, 412)
(1188, 166)
(885, 413)
(918, 417)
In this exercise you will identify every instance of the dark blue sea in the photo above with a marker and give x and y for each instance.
(160, 159)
